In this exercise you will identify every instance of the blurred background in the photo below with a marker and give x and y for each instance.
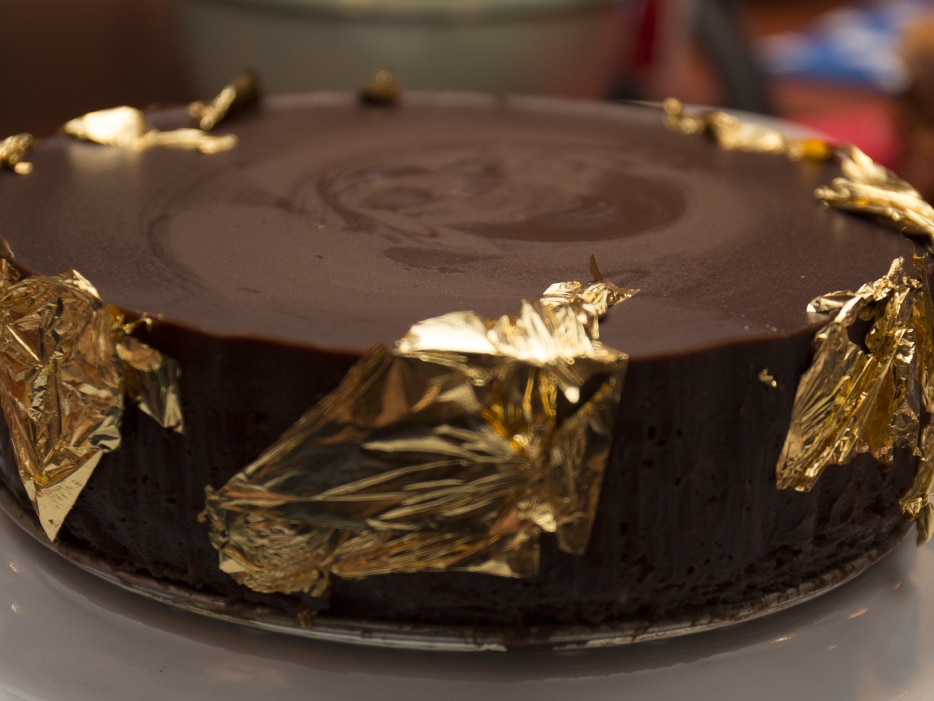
(858, 71)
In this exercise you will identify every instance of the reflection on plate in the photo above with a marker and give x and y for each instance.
(65, 634)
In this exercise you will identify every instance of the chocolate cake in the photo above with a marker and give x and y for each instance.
(334, 225)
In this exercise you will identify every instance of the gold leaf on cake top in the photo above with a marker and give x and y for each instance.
(126, 127)
(381, 89)
(865, 187)
(732, 133)
(242, 91)
(454, 451)
(869, 188)
(66, 357)
(13, 152)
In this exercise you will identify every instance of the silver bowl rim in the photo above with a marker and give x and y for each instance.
(454, 12)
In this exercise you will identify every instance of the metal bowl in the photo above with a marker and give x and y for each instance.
(562, 47)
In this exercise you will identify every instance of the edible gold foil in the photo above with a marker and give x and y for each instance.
(865, 187)
(869, 188)
(766, 378)
(732, 133)
(67, 362)
(240, 92)
(869, 395)
(126, 127)
(13, 152)
(453, 451)
(382, 88)
(916, 503)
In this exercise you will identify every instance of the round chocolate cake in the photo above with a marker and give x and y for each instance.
(332, 226)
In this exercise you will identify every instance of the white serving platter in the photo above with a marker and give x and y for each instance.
(66, 635)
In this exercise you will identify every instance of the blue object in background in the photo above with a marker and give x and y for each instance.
(856, 45)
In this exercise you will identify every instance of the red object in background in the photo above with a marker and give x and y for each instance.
(646, 29)
(867, 125)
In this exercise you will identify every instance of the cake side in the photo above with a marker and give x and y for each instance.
(689, 521)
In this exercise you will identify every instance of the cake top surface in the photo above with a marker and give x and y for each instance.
(338, 225)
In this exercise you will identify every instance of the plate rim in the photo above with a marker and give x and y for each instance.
(438, 638)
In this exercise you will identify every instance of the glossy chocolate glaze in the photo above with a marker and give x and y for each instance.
(338, 226)
(332, 226)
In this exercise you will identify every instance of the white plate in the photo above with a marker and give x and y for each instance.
(67, 636)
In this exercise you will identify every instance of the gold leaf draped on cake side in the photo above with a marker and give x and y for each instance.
(453, 451)
(856, 399)
(871, 396)
(66, 359)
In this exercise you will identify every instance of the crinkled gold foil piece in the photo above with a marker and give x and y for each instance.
(453, 451)
(126, 127)
(13, 152)
(66, 360)
(732, 133)
(856, 399)
(869, 188)
(242, 91)
(152, 379)
(865, 187)
(870, 395)
(916, 503)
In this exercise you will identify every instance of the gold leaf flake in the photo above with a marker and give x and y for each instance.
(65, 359)
(242, 91)
(13, 152)
(454, 451)
(859, 398)
(127, 128)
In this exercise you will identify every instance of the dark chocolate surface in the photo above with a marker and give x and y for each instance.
(338, 225)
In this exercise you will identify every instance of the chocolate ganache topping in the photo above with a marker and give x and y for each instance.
(329, 214)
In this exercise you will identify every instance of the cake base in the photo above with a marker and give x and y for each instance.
(449, 638)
